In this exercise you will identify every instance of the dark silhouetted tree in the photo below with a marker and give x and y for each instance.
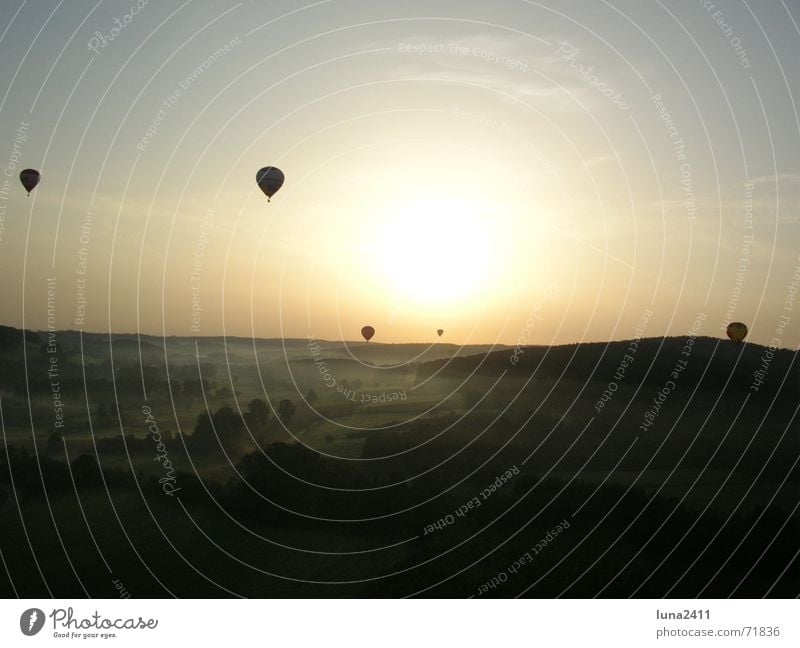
(203, 435)
(86, 472)
(228, 423)
(258, 411)
(286, 410)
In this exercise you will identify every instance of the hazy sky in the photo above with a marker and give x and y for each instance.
(502, 170)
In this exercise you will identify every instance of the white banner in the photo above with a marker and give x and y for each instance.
(393, 623)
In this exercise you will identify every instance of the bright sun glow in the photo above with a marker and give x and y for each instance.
(434, 251)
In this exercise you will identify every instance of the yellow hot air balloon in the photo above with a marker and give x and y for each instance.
(736, 331)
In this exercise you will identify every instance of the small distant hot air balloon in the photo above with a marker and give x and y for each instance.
(269, 180)
(367, 332)
(29, 179)
(736, 331)
(439, 332)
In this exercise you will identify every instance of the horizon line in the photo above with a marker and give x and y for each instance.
(364, 343)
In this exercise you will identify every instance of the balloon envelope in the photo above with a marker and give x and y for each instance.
(439, 332)
(367, 332)
(269, 180)
(29, 179)
(736, 331)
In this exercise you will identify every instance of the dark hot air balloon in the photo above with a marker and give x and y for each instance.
(29, 179)
(439, 332)
(269, 180)
(367, 332)
(736, 331)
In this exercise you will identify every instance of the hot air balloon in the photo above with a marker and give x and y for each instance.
(367, 332)
(269, 180)
(29, 179)
(439, 332)
(736, 331)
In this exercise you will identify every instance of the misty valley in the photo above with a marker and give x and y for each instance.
(206, 467)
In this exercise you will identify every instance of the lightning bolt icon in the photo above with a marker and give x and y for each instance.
(32, 620)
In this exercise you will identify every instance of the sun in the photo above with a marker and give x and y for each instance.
(434, 251)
